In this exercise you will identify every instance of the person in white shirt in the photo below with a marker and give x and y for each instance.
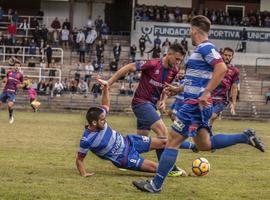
(24, 26)
(89, 69)
(58, 88)
(65, 36)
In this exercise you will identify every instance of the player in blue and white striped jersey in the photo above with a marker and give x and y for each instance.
(106, 143)
(204, 70)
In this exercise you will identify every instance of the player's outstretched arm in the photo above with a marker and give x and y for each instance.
(81, 167)
(105, 101)
(234, 91)
(131, 67)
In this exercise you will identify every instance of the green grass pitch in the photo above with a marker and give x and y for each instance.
(37, 161)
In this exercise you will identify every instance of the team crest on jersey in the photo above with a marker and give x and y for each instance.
(145, 139)
(179, 125)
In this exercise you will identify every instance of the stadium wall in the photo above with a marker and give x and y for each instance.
(81, 11)
(265, 5)
(169, 3)
(259, 38)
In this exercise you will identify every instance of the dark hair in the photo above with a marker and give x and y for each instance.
(228, 49)
(93, 114)
(178, 48)
(16, 62)
(201, 22)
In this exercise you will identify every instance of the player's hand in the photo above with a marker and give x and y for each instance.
(170, 90)
(203, 100)
(162, 106)
(88, 174)
(232, 108)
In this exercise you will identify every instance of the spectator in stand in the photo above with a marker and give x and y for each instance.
(113, 66)
(156, 51)
(82, 50)
(32, 47)
(166, 40)
(49, 52)
(34, 23)
(142, 44)
(96, 90)
(96, 66)
(65, 85)
(89, 69)
(99, 51)
(15, 17)
(31, 62)
(267, 96)
(1, 14)
(104, 32)
(89, 23)
(165, 48)
(12, 30)
(8, 41)
(90, 39)
(98, 24)
(41, 45)
(65, 36)
(133, 50)
(55, 38)
(66, 24)
(41, 87)
(158, 15)
(44, 33)
(42, 66)
(80, 36)
(177, 15)
(58, 89)
(122, 89)
(73, 86)
(56, 24)
(83, 88)
(25, 26)
(52, 71)
(244, 38)
(184, 43)
(49, 88)
(165, 14)
(40, 15)
(267, 21)
(117, 52)
(157, 40)
(10, 13)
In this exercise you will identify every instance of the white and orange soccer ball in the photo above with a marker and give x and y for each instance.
(200, 167)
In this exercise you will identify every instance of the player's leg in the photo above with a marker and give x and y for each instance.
(204, 142)
(166, 163)
(10, 111)
(149, 166)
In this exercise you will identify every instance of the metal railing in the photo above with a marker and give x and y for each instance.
(257, 61)
(265, 83)
(21, 52)
(36, 72)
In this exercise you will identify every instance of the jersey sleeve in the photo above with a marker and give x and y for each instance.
(21, 78)
(144, 65)
(236, 78)
(210, 55)
(105, 108)
(84, 148)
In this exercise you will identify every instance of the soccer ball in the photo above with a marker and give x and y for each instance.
(36, 104)
(200, 167)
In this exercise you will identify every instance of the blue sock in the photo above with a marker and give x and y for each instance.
(221, 140)
(187, 145)
(166, 163)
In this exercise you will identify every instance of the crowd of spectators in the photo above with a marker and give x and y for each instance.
(220, 17)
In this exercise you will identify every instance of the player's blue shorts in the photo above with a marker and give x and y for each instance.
(218, 107)
(7, 97)
(175, 106)
(137, 144)
(146, 115)
(190, 119)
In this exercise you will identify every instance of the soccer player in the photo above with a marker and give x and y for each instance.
(13, 81)
(106, 143)
(228, 86)
(154, 74)
(33, 98)
(204, 70)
